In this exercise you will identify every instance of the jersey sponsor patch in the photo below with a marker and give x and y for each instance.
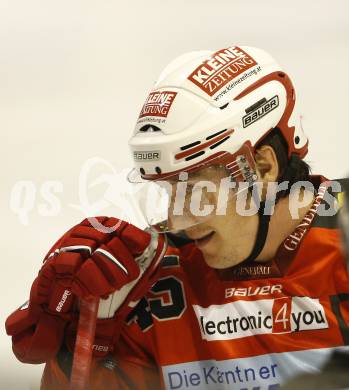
(253, 291)
(265, 316)
(292, 242)
(265, 372)
(223, 66)
(158, 104)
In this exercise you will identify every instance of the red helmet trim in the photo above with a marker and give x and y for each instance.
(286, 130)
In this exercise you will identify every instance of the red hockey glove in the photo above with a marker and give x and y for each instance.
(118, 266)
(36, 335)
(90, 262)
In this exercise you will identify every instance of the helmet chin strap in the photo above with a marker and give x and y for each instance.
(264, 219)
(262, 233)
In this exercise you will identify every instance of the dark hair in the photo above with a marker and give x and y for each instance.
(291, 169)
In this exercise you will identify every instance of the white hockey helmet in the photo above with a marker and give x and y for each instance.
(214, 108)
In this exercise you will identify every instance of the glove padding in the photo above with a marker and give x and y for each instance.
(88, 262)
(118, 266)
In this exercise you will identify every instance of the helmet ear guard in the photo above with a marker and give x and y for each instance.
(296, 141)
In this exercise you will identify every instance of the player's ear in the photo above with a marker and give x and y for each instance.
(267, 163)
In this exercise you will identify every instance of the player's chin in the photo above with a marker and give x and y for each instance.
(213, 261)
(220, 263)
(211, 253)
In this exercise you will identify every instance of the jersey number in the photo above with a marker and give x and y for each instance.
(168, 303)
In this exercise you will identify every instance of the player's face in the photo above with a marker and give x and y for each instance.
(225, 240)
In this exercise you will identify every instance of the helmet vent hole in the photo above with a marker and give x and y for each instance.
(297, 140)
(224, 106)
(185, 147)
(215, 134)
(142, 171)
(255, 105)
(219, 142)
(195, 155)
(149, 128)
(158, 170)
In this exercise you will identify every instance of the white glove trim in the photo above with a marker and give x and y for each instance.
(112, 258)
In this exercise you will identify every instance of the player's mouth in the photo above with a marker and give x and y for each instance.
(204, 240)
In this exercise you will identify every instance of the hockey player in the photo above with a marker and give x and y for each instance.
(220, 298)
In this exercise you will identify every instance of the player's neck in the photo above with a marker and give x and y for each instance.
(283, 222)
